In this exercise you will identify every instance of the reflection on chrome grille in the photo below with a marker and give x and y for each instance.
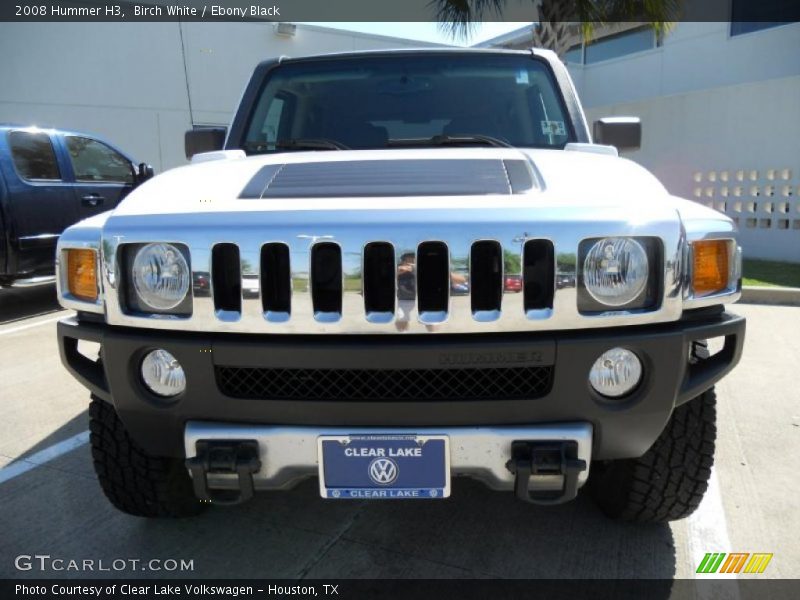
(276, 282)
(385, 385)
(393, 282)
(326, 281)
(385, 279)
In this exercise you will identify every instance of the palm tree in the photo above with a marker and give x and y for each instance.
(458, 17)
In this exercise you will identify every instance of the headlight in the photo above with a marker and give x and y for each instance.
(615, 271)
(160, 276)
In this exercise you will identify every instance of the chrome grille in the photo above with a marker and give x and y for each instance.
(276, 282)
(379, 282)
(326, 282)
(226, 281)
(513, 383)
(391, 287)
(380, 293)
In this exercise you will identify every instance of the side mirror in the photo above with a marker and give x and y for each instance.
(144, 172)
(207, 139)
(623, 132)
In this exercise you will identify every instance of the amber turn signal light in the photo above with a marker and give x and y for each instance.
(82, 274)
(710, 266)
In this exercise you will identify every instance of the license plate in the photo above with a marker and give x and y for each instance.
(384, 467)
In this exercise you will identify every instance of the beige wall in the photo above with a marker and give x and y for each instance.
(734, 148)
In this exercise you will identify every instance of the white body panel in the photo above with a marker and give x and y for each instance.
(576, 195)
(570, 179)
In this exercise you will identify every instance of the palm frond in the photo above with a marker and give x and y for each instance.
(458, 18)
(660, 14)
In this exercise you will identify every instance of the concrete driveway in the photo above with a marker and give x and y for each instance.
(54, 506)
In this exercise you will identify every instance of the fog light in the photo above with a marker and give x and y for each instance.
(616, 372)
(163, 374)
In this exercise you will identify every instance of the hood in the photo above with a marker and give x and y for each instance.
(413, 179)
(401, 178)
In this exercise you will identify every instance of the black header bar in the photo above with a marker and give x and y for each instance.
(352, 10)
(402, 589)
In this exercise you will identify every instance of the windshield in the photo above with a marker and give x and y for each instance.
(400, 100)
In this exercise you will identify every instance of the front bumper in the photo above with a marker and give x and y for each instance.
(622, 429)
(289, 454)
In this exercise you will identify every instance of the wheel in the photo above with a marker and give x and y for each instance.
(134, 481)
(669, 481)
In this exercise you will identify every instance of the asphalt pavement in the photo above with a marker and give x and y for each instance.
(51, 504)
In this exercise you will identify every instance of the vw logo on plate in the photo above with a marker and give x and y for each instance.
(383, 471)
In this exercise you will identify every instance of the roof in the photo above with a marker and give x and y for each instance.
(517, 35)
(401, 51)
(368, 36)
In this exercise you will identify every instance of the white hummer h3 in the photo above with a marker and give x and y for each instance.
(398, 268)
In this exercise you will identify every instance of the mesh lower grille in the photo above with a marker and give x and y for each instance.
(385, 385)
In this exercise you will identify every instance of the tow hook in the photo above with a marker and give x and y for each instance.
(531, 459)
(232, 457)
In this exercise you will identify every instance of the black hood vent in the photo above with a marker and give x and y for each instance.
(416, 177)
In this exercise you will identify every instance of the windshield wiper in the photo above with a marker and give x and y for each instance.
(451, 140)
(314, 144)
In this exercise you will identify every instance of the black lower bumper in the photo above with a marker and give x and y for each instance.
(622, 429)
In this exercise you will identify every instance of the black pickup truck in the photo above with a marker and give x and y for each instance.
(50, 179)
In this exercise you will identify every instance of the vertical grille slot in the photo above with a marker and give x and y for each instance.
(486, 280)
(276, 282)
(538, 264)
(226, 281)
(379, 282)
(326, 281)
(433, 281)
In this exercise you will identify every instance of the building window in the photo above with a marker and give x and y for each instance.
(574, 55)
(755, 15)
(620, 44)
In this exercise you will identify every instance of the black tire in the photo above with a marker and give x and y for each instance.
(134, 481)
(669, 481)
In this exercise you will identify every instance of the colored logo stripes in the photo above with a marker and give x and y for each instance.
(734, 562)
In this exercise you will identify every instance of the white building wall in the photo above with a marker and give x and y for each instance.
(694, 56)
(721, 123)
(126, 81)
(735, 149)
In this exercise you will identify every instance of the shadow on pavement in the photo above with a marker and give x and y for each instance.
(23, 303)
(74, 426)
(59, 509)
